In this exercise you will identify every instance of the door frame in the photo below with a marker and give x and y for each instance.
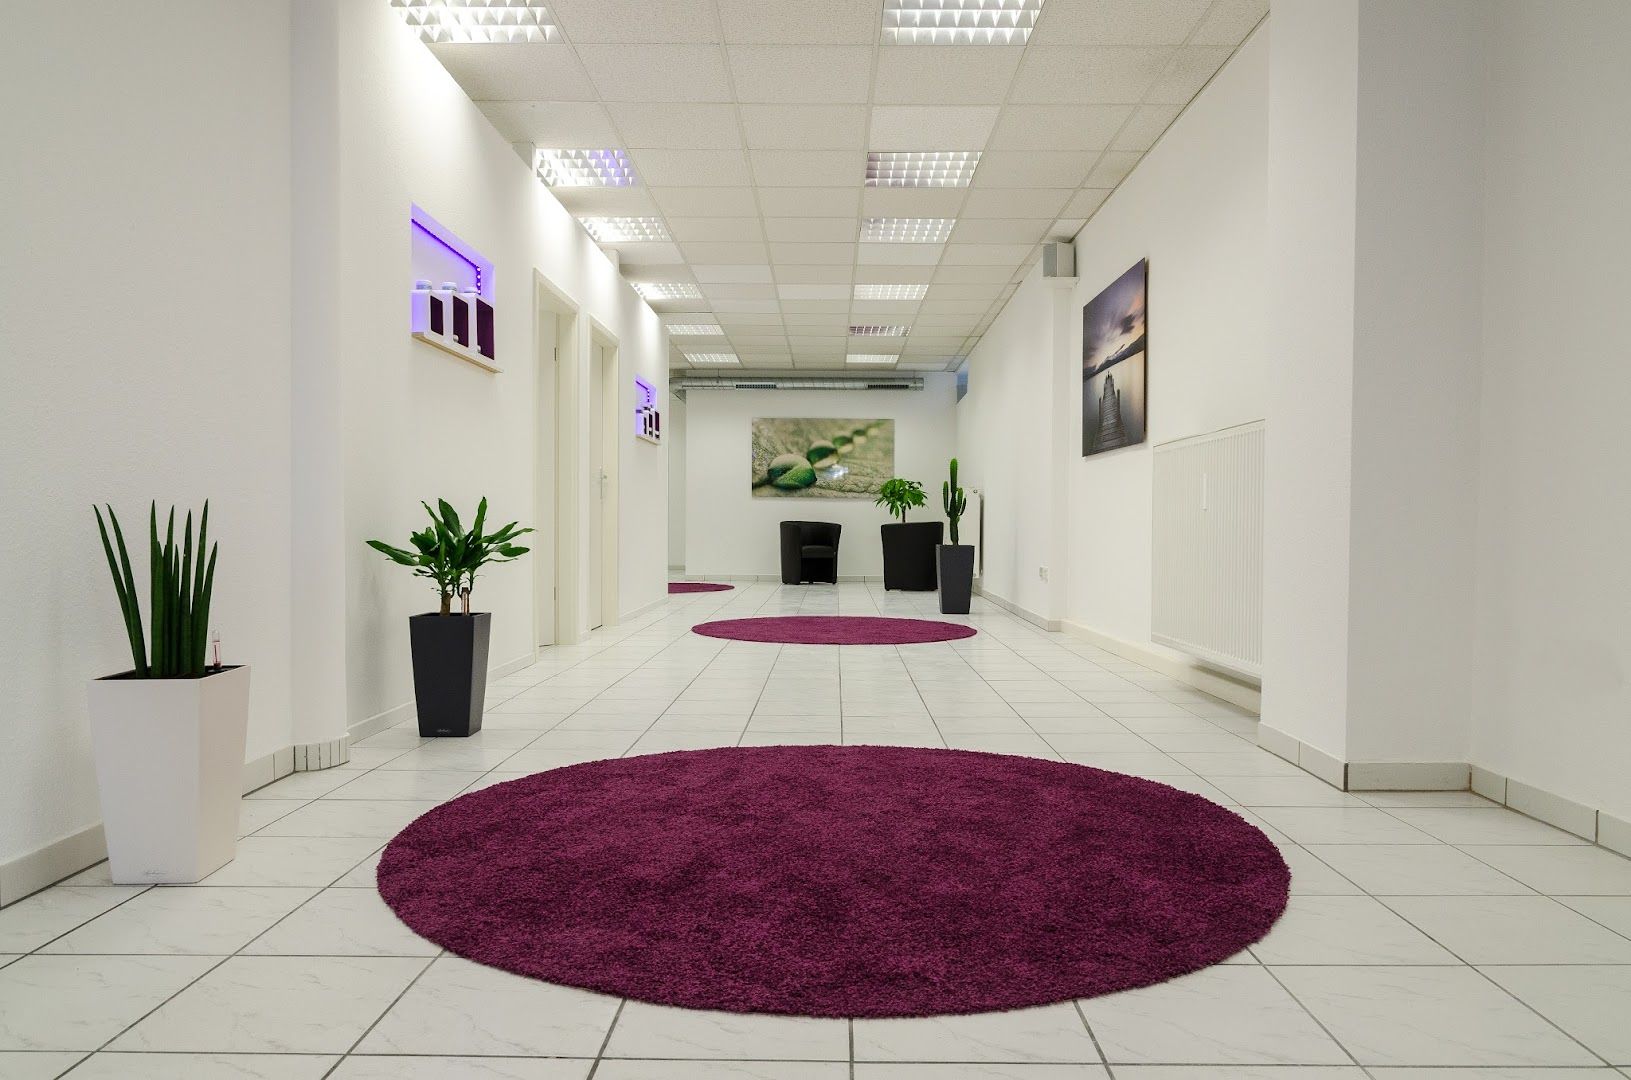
(558, 365)
(612, 430)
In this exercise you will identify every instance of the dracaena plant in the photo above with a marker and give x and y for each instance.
(180, 583)
(900, 496)
(449, 556)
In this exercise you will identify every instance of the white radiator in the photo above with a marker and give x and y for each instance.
(1207, 579)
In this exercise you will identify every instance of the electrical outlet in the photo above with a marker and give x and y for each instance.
(1042, 572)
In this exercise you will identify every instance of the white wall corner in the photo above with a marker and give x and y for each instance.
(1614, 833)
(1332, 770)
(1488, 783)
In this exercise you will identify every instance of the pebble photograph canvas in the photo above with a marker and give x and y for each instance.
(821, 458)
(1113, 375)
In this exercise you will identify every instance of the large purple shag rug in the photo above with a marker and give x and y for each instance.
(834, 630)
(676, 587)
(861, 881)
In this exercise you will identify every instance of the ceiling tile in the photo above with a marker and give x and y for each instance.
(715, 228)
(1058, 127)
(874, 311)
(750, 291)
(1187, 73)
(723, 273)
(677, 271)
(899, 254)
(1000, 202)
(791, 306)
(808, 254)
(1000, 230)
(837, 321)
(1065, 228)
(926, 343)
(1147, 125)
(813, 202)
(811, 230)
(807, 274)
(708, 251)
(1083, 203)
(887, 274)
(1229, 22)
(944, 74)
(1118, 22)
(986, 255)
(800, 22)
(912, 202)
(635, 21)
(805, 127)
(763, 306)
(656, 72)
(647, 254)
(815, 342)
(690, 168)
(517, 72)
(808, 168)
(795, 74)
(1066, 76)
(1112, 168)
(607, 202)
(942, 292)
(1031, 168)
(749, 319)
(759, 342)
(706, 201)
(677, 126)
(931, 127)
(813, 292)
(564, 124)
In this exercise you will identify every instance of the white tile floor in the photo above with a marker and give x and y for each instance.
(1425, 931)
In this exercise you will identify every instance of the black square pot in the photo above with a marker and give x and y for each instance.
(450, 672)
(908, 554)
(956, 578)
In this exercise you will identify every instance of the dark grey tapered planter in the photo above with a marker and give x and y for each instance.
(450, 672)
(956, 577)
(908, 554)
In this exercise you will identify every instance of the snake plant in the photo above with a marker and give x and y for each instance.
(179, 587)
(450, 556)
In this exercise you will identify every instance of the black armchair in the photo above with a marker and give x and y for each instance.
(810, 551)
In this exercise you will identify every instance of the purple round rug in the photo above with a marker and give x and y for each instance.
(676, 587)
(837, 880)
(834, 630)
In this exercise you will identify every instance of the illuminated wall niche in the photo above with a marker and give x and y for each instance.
(648, 422)
(452, 298)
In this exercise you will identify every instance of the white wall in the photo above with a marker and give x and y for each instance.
(730, 533)
(144, 335)
(1551, 701)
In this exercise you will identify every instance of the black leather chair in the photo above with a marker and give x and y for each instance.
(810, 551)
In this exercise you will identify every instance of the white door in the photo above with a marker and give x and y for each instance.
(546, 540)
(596, 483)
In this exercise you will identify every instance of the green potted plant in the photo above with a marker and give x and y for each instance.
(168, 735)
(908, 549)
(956, 560)
(450, 651)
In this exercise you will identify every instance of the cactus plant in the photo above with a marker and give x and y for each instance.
(953, 499)
(180, 592)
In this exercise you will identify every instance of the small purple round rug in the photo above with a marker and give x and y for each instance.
(860, 881)
(677, 587)
(834, 630)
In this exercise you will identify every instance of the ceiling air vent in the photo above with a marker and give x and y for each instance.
(679, 383)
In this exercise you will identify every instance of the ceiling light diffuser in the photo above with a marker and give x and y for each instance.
(584, 168)
(890, 292)
(694, 328)
(626, 230)
(478, 22)
(921, 168)
(712, 358)
(668, 290)
(959, 22)
(878, 331)
(906, 230)
(871, 358)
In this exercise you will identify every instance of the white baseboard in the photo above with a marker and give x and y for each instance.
(1408, 775)
(1050, 625)
(1173, 666)
(643, 609)
(27, 874)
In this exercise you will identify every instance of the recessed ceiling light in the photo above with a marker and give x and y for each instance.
(668, 290)
(871, 358)
(959, 22)
(906, 230)
(584, 168)
(712, 358)
(921, 168)
(878, 331)
(694, 328)
(626, 230)
(890, 292)
(500, 22)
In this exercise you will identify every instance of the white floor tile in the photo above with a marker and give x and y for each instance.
(1052, 1033)
(1346, 930)
(721, 1070)
(38, 1065)
(293, 860)
(342, 922)
(656, 1031)
(986, 1071)
(1476, 825)
(1613, 912)
(1242, 1072)
(1342, 825)
(1574, 871)
(1592, 1002)
(209, 922)
(80, 1002)
(457, 1068)
(35, 920)
(380, 820)
(116, 1066)
(425, 784)
(1416, 870)
(1513, 930)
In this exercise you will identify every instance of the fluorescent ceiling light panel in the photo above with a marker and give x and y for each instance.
(712, 358)
(921, 168)
(959, 22)
(871, 358)
(694, 328)
(890, 292)
(585, 168)
(481, 22)
(878, 331)
(906, 230)
(626, 230)
(667, 290)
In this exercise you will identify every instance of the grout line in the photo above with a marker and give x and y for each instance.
(605, 1042)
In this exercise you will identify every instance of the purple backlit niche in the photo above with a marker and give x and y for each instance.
(452, 299)
(648, 421)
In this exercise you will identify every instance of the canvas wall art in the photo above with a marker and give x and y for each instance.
(1113, 364)
(821, 458)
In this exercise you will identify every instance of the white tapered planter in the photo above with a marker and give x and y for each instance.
(169, 766)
